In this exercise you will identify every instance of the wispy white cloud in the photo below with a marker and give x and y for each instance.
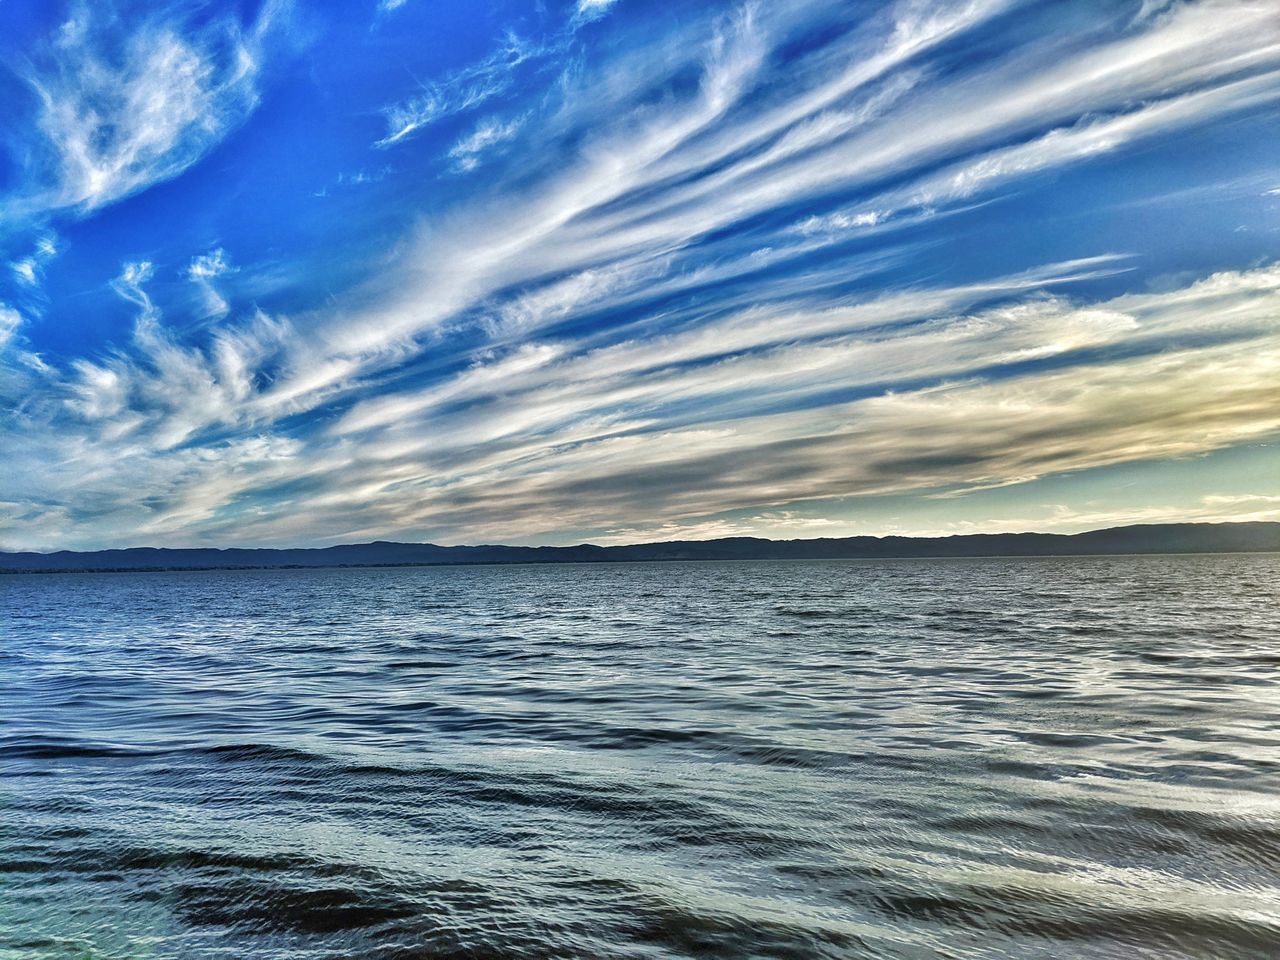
(131, 284)
(162, 392)
(459, 92)
(29, 270)
(487, 135)
(353, 179)
(588, 10)
(10, 321)
(469, 88)
(203, 271)
(210, 265)
(1055, 149)
(121, 105)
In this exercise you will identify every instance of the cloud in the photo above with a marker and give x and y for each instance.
(656, 314)
(10, 321)
(1058, 147)
(29, 270)
(612, 444)
(459, 92)
(545, 439)
(210, 265)
(650, 181)
(588, 10)
(203, 271)
(129, 285)
(121, 105)
(779, 524)
(487, 135)
(160, 393)
(473, 86)
(1242, 499)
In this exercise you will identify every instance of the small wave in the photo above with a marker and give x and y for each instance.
(652, 761)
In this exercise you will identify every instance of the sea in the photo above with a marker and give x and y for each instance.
(1006, 758)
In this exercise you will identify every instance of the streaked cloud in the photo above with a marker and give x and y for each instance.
(705, 280)
(459, 92)
(544, 440)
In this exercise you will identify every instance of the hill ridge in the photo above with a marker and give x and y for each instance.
(1242, 537)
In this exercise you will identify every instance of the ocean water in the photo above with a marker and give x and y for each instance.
(1058, 758)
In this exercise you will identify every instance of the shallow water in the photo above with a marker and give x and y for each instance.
(908, 759)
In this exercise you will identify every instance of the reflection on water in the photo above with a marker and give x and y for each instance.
(970, 758)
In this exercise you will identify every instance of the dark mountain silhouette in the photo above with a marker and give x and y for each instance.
(1148, 538)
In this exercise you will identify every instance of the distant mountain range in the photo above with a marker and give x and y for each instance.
(1147, 538)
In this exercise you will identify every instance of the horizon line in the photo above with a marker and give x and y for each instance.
(654, 543)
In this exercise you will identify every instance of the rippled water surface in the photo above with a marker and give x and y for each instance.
(973, 758)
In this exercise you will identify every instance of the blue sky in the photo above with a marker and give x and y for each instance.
(305, 273)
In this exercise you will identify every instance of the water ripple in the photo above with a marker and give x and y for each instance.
(899, 760)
